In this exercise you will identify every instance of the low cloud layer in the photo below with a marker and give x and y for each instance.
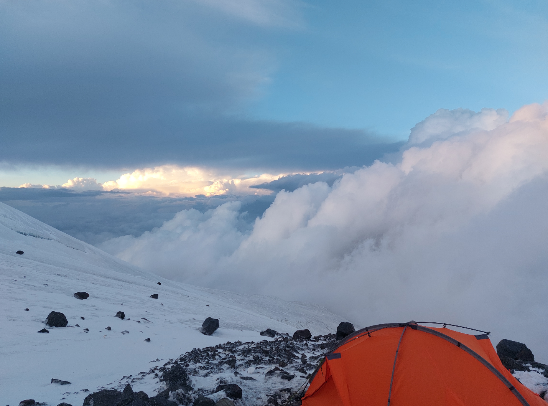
(454, 231)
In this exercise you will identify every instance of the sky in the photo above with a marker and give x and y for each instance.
(256, 145)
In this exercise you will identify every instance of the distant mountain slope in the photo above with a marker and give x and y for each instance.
(54, 266)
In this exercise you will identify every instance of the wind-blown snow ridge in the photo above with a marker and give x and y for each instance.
(55, 266)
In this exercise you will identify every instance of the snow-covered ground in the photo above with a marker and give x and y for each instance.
(54, 266)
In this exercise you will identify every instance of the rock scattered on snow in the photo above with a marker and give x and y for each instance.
(121, 315)
(159, 283)
(28, 402)
(209, 326)
(56, 319)
(176, 378)
(108, 328)
(154, 296)
(516, 356)
(20, 252)
(44, 331)
(232, 390)
(81, 295)
(59, 381)
(269, 333)
(203, 401)
(147, 340)
(27, 309)
(344, 330)
(64, 404)
(302, 334)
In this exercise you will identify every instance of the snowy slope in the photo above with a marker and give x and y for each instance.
(54, 266)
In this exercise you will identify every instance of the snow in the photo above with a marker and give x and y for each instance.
(54, 266)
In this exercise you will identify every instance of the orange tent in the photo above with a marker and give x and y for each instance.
(413, 365)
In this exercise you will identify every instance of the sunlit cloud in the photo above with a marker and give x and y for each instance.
(173, 180)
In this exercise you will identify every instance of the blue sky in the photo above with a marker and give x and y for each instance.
(98, 89)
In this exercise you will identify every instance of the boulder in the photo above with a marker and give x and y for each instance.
(209, 326)
(302, 334)
(203, 401)
(59, 381)
(147, 340)
(27, 309)
(269, 333)
(21, 253)
(159, 283)
(232, 390)
(176, 378)
(64, 404)
(121, 315)
(28, 402)
(105, 397)
(81, 295)
(56, 319)
(44, 331)
(154, 296)
(514, 350)
(344, 330)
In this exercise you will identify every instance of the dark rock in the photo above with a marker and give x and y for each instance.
(247, 378)
(302, 334)
(515, 350)
(82, 317)
(232, 390)
(20, 253)
(159, 283)
(108, 328)
(44, 331)
(512, 364)
(154, 296)
(56, 319)
(224, 402)
(287, 376)
(269, 333)
(59, 381)
(147, 340)
(86, 330)
(81, 295)
(209, 326)
(27, 309)
(161, 399)
(28, 402)
(121, 315)
(344, 330)
(76, 325)
(203, 401)
(64, 404)
(105, 397)
(175, 378)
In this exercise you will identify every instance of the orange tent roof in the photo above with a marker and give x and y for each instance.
(413, 365)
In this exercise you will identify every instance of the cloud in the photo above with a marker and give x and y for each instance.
(455, 231)
(289, 183)
(83, 184)
(188, 181)
(130, 85)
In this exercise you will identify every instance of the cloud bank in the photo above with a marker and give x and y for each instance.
(123, 85)
(454, 231)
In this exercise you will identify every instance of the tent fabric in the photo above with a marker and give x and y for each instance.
(433, 367)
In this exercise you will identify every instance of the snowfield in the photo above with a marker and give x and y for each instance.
(54, 266)
(93, 357)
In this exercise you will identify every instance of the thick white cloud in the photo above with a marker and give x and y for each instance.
(83, 184)
(455, 231)
(188, 181)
